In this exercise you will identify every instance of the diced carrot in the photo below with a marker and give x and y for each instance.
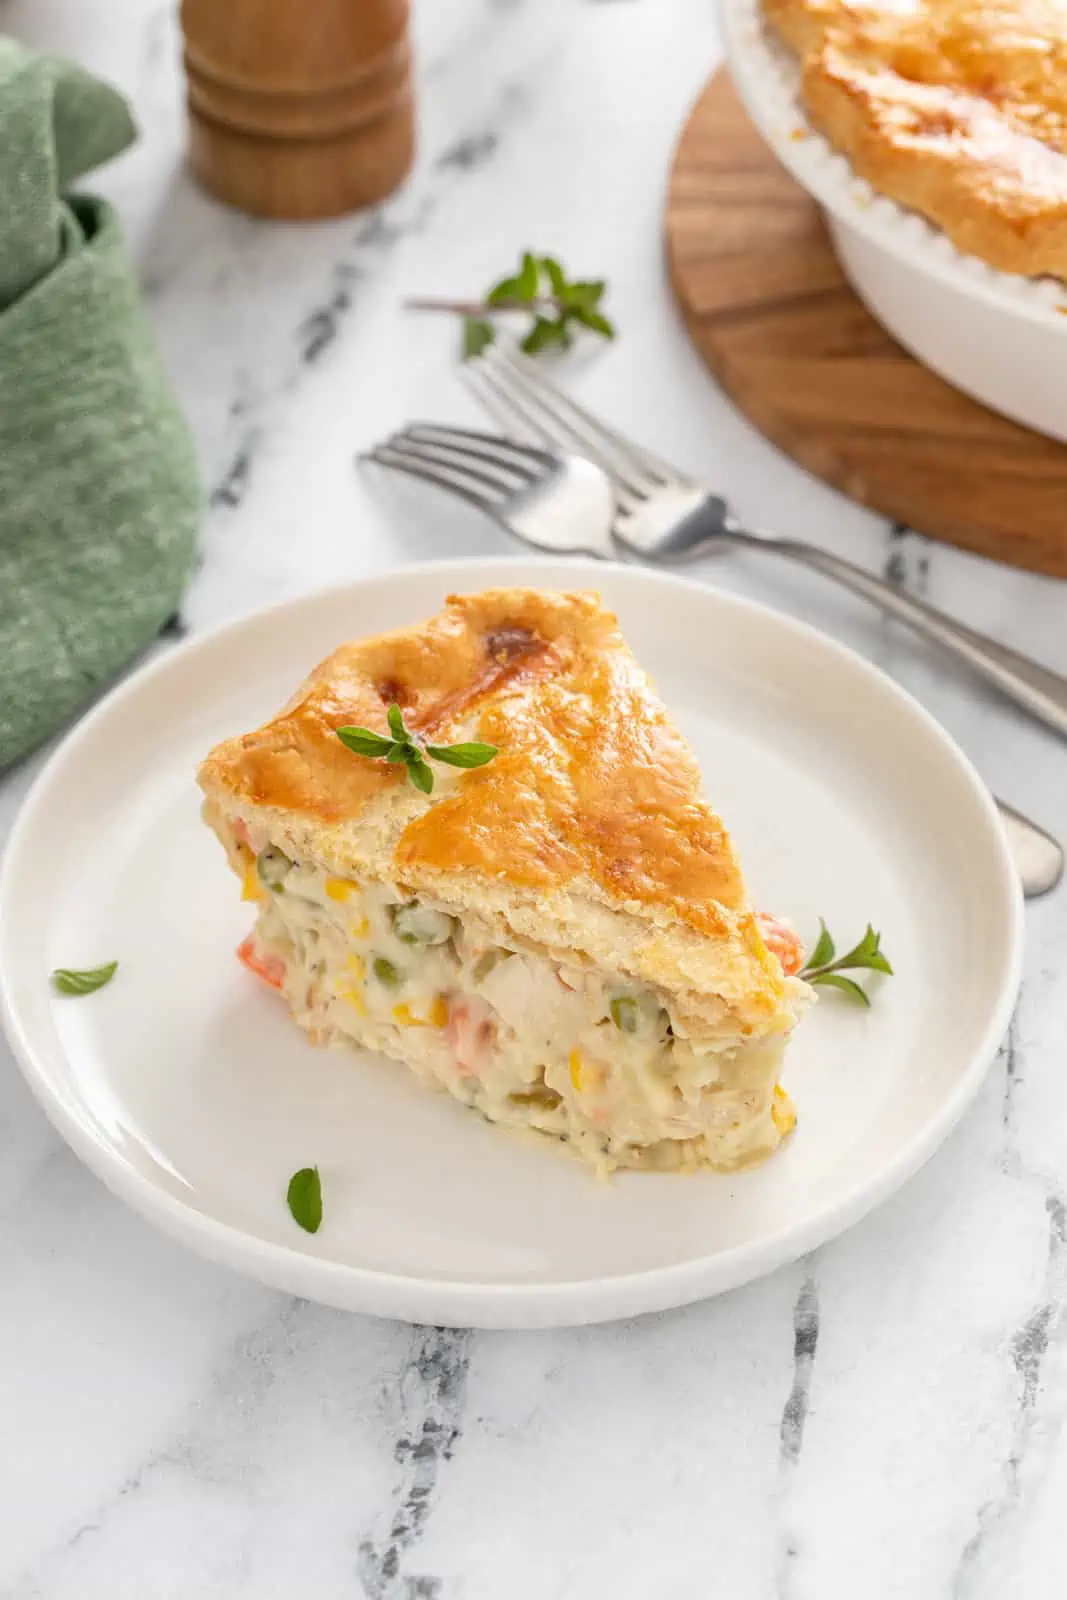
(270, 968)
(439, 1011)
(782, 940)
(470, 1034)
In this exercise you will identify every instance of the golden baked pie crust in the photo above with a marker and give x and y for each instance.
(956, 110)
(593, 783)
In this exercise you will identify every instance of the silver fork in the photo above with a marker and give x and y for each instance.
(567, 505)
(554, 502)
(663, 515)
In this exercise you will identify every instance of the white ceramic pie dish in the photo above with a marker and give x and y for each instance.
(998, 337)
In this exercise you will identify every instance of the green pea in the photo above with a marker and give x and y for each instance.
(386, 973)
(639, 1014)
(624, 1013)
(273, 867)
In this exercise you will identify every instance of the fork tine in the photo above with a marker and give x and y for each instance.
(485, 468)
(633, 455)
(505, 444)
(503, 406)
(384, 455)
(566, 432)
(522, 461)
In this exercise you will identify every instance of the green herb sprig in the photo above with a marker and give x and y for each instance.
(71, 980)
(825, 968)
(304, 1195)
(541, 289)
(405, 747)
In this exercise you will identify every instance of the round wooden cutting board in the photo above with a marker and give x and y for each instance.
(770, 311)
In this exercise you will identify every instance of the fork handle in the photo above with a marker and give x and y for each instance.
(1038, 690)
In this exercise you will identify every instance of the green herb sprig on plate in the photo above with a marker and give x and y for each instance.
(825, 968)
(404, 747)
(557, 305)
(304, 1195)
(72, 980)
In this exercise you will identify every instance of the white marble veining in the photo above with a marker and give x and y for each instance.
(884, 1419)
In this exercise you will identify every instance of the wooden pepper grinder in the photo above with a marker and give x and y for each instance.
(299, 108)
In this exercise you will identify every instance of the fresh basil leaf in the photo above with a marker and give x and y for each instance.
(557, 278)
(395, 718)
(583, 296)
(834, 980)
(304, 1195)
(556, 306)
(399, 751)
(522, 286)
(72, 980)
(363, 742)
(546, 333)
(824, 951)
(875, 962)
(506, 289)
(595, 322)
(529, 279)
(538, 337)
(478, 335)
(867, 954)
(420, 773)
(462, 755)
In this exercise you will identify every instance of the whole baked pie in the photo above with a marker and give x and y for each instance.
(955, 108)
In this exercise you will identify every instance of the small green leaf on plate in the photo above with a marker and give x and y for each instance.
(834, 980)
(71, 980)
(305, 1198)
(824, 951)
(868, 954)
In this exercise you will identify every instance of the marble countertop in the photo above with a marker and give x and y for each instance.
(882, 1419)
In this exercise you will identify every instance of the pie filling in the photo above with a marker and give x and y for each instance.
(522, 1035)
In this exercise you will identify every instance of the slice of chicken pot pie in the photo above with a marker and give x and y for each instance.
(558, 931)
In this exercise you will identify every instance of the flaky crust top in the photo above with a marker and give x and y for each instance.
(955, 108)
(592, 781)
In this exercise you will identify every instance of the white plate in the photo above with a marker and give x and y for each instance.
(187, 1089)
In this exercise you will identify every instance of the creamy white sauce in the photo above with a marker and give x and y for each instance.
(523, 1038)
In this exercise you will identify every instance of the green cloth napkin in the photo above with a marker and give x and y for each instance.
(99, 493)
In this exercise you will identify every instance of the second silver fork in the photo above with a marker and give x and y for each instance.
(664, 516)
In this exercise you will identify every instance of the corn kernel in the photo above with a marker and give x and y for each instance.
(340, 888)
(251, 888)
(355, 1000)
(439, 1012)
(782, 1113)
(407, 1018)
(576, 1069)
(357, 965)
(360, 929)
